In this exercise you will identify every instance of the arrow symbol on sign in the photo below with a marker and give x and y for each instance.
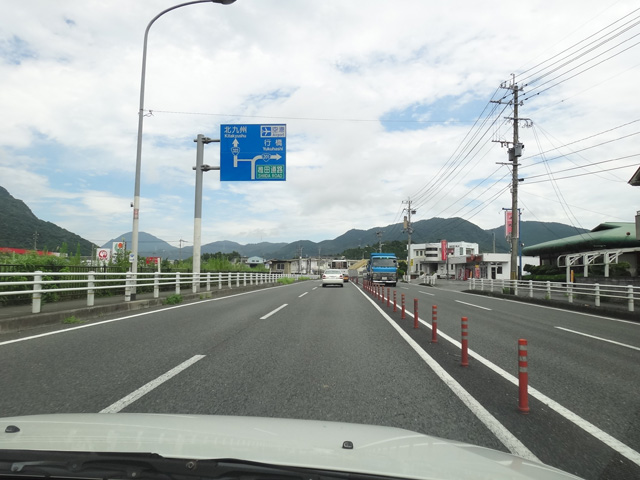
(235, 150)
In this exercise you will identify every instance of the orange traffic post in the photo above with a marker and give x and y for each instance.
(415, 313)
(403, 316)
(395, 304)
(464, 361)
(434, 324)
(388, 297)
(523, 377)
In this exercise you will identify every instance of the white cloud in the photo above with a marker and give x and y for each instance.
(330, 70)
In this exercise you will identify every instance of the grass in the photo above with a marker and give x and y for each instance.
(172, 299)
(286, 280)
(71, 320)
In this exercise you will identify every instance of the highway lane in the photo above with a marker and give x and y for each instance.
(304, 352)
(597, 380)
(325, 355)
(583, 373)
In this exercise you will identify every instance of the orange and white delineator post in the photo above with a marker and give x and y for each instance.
(523, 377)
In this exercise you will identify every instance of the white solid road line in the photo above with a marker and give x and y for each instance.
(132, 397)
(599, 338)
(274, 311)
(472, 305)
(587, 426)
(509, 440)
(535, 305)
(149, 312)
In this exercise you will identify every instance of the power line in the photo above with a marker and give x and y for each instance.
(587, 173)
(319, 119)
(576, 56)
(521, 80)
(563, 203)
(585, 166)
(429, 184)
(439, 183)
(582, 139)
(581, 150)
(529, 96)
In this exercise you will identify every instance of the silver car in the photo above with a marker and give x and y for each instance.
(332, 277)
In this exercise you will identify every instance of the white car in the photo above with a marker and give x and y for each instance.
(202, 447)
(332, 277)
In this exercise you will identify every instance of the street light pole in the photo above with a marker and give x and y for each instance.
(136, 197)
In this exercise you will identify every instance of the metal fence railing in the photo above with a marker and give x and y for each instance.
(595, 294)
(34, 286)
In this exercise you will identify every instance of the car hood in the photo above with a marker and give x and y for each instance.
(286, 442)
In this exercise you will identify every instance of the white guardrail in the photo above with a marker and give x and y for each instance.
(37, 283)
(561, 290)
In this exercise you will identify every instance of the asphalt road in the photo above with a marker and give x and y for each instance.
(338, 354)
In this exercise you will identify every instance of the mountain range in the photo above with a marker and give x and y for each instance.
(424, 231)
(20, 228)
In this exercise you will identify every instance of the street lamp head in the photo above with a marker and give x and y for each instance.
(224, 2)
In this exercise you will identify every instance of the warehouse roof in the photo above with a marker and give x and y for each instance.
(605, 236)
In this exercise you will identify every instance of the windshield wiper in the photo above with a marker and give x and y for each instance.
(85, 465)
(155, 467)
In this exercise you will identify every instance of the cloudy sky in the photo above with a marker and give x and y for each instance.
(383, 101)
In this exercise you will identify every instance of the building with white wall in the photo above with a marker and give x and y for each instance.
(430, 258)
(461, 260)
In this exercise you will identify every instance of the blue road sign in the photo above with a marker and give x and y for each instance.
(253, 152)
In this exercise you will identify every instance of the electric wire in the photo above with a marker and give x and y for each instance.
(529, 96)
(581, 41)
(586, 166)
(575, 55)
(563, 203)
(417, 195)
(545, 160)
(580, 140)
(609, 177)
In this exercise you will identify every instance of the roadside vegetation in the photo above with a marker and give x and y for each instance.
(172, 300)
(66, 262)
(556, 274)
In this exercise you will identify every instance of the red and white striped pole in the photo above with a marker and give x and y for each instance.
(415, 313)
(523, 377)
(388, 297)
(395, 303)
(464, 360)
(403, 316)
(434, 324)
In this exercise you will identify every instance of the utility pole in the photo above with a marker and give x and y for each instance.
(181, 241)
(515, 152)
(409, 229)
(200, 167)
(35, 240)
(379, 234)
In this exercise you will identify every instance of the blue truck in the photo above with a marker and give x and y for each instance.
(383, 268)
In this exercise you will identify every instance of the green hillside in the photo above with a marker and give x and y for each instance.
(20, 228)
